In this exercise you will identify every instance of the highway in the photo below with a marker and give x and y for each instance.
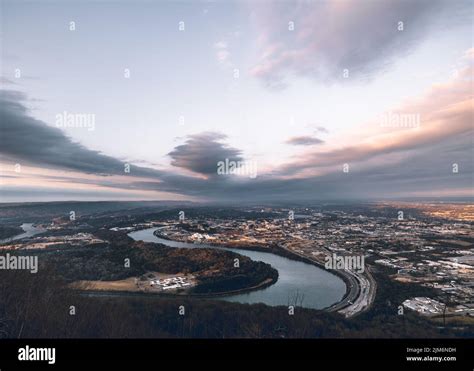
(361, 288)
(365, 294)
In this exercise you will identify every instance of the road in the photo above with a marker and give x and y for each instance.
(361, 288)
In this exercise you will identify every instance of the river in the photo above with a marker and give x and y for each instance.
(29, 230)
(314, 287)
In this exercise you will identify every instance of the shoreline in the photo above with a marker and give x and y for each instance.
(267, 282)
(351, 285)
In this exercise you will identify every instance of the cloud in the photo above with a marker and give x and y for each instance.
(446, 113)
(201, 152)
(26, 139)
(384, 162)
(331, 36)
(304, 140)
(321, 129)
(32, 142)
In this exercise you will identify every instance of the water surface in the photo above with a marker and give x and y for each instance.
(29, 231)
(311, 286)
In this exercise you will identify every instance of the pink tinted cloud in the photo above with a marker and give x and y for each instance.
(446, 111)
(330, 36)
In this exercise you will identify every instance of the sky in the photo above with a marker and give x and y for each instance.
(236, 101)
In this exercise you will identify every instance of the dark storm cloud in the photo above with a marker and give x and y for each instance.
(24, 138)
(201, 153)
(304, 140)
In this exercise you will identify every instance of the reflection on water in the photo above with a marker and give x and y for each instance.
(310, 286)
(29, 231)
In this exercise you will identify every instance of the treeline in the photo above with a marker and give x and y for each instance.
(249, 274)
(9, 231)
(217, 271)
(40, 306)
